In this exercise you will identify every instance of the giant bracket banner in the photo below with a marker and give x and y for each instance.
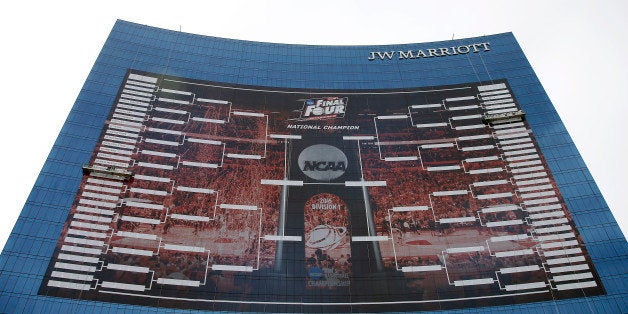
(213, 196)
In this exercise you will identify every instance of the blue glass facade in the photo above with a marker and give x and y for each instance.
(28, 251)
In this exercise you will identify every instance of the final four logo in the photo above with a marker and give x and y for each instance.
(324, 108)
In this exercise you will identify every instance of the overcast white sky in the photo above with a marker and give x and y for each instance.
(577, 49)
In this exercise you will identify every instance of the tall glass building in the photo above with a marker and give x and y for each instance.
(201, 173)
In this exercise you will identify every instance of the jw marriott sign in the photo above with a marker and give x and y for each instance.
(429, 53)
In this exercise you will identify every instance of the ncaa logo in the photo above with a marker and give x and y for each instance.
(322, 162)
(315, 273)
